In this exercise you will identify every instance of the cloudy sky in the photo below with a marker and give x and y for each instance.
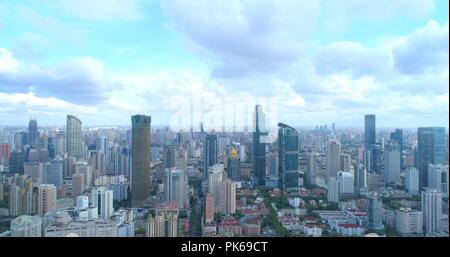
(322, 61)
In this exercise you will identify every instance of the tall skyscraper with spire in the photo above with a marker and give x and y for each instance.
(140, 154)
(259, 146)
(74, 137)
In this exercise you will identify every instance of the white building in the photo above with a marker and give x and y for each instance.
(91, 228)
(408, 221)
(346, 184)
(333, 158)
(102, 198)
(311, 230)
(432, 210)
(26, 226)
(412, 180)
(175, 187)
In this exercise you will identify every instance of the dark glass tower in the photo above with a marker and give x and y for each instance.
(398, 137)
(234, 166)
(211, 149)
(288, 158)
(259, 146)
(431, 149)
(140, 154)
(369, 131)
(32, 133)
(168, 155)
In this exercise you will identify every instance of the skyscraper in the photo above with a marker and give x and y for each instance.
(259, 146)
(431, 149)
(375, 213)
(288, 158)
(398, 137)
(228, 197)
(215, 178)
(412, 180)
(369, 131)
(432, 210)
(74, 137)
(168, 155)
(234, 166)
(175, 187)
(210, 151)
(333, 158)
(140, 153)
(33, 133)
(392, 163)
(77, 184)
(53, 172)
(209, 208)
(47, 198)
(102, 198)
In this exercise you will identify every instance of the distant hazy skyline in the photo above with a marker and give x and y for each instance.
(325, 61)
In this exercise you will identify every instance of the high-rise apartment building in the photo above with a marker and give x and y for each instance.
(47, 198)
(74, 137)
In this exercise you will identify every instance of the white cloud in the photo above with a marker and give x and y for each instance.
(8, 64)
(103, 10)
(426, 49)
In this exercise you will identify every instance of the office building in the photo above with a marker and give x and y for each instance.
(333, 190)
(168, 156)
(140, 154)
(102, 198)
(333, 158)
(234, 166)
(34, 170)
(259, 146)
(33, 133)
(288, 168)
(346, 184)
(397, 137)
(412, 180)
(175, 187)
(392, 163)
(369, 131)
(54, 172)
(210, 151)
(431, 150)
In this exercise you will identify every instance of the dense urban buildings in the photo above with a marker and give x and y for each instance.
(150, 181)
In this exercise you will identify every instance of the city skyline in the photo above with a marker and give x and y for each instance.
(72, 57)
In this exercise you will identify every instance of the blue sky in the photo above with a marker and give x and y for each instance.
(323, 61)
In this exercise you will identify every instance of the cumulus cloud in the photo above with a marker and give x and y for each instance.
(352, 57)
(426, 49)
(8, 64)
(79, 80)
(243, 36)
